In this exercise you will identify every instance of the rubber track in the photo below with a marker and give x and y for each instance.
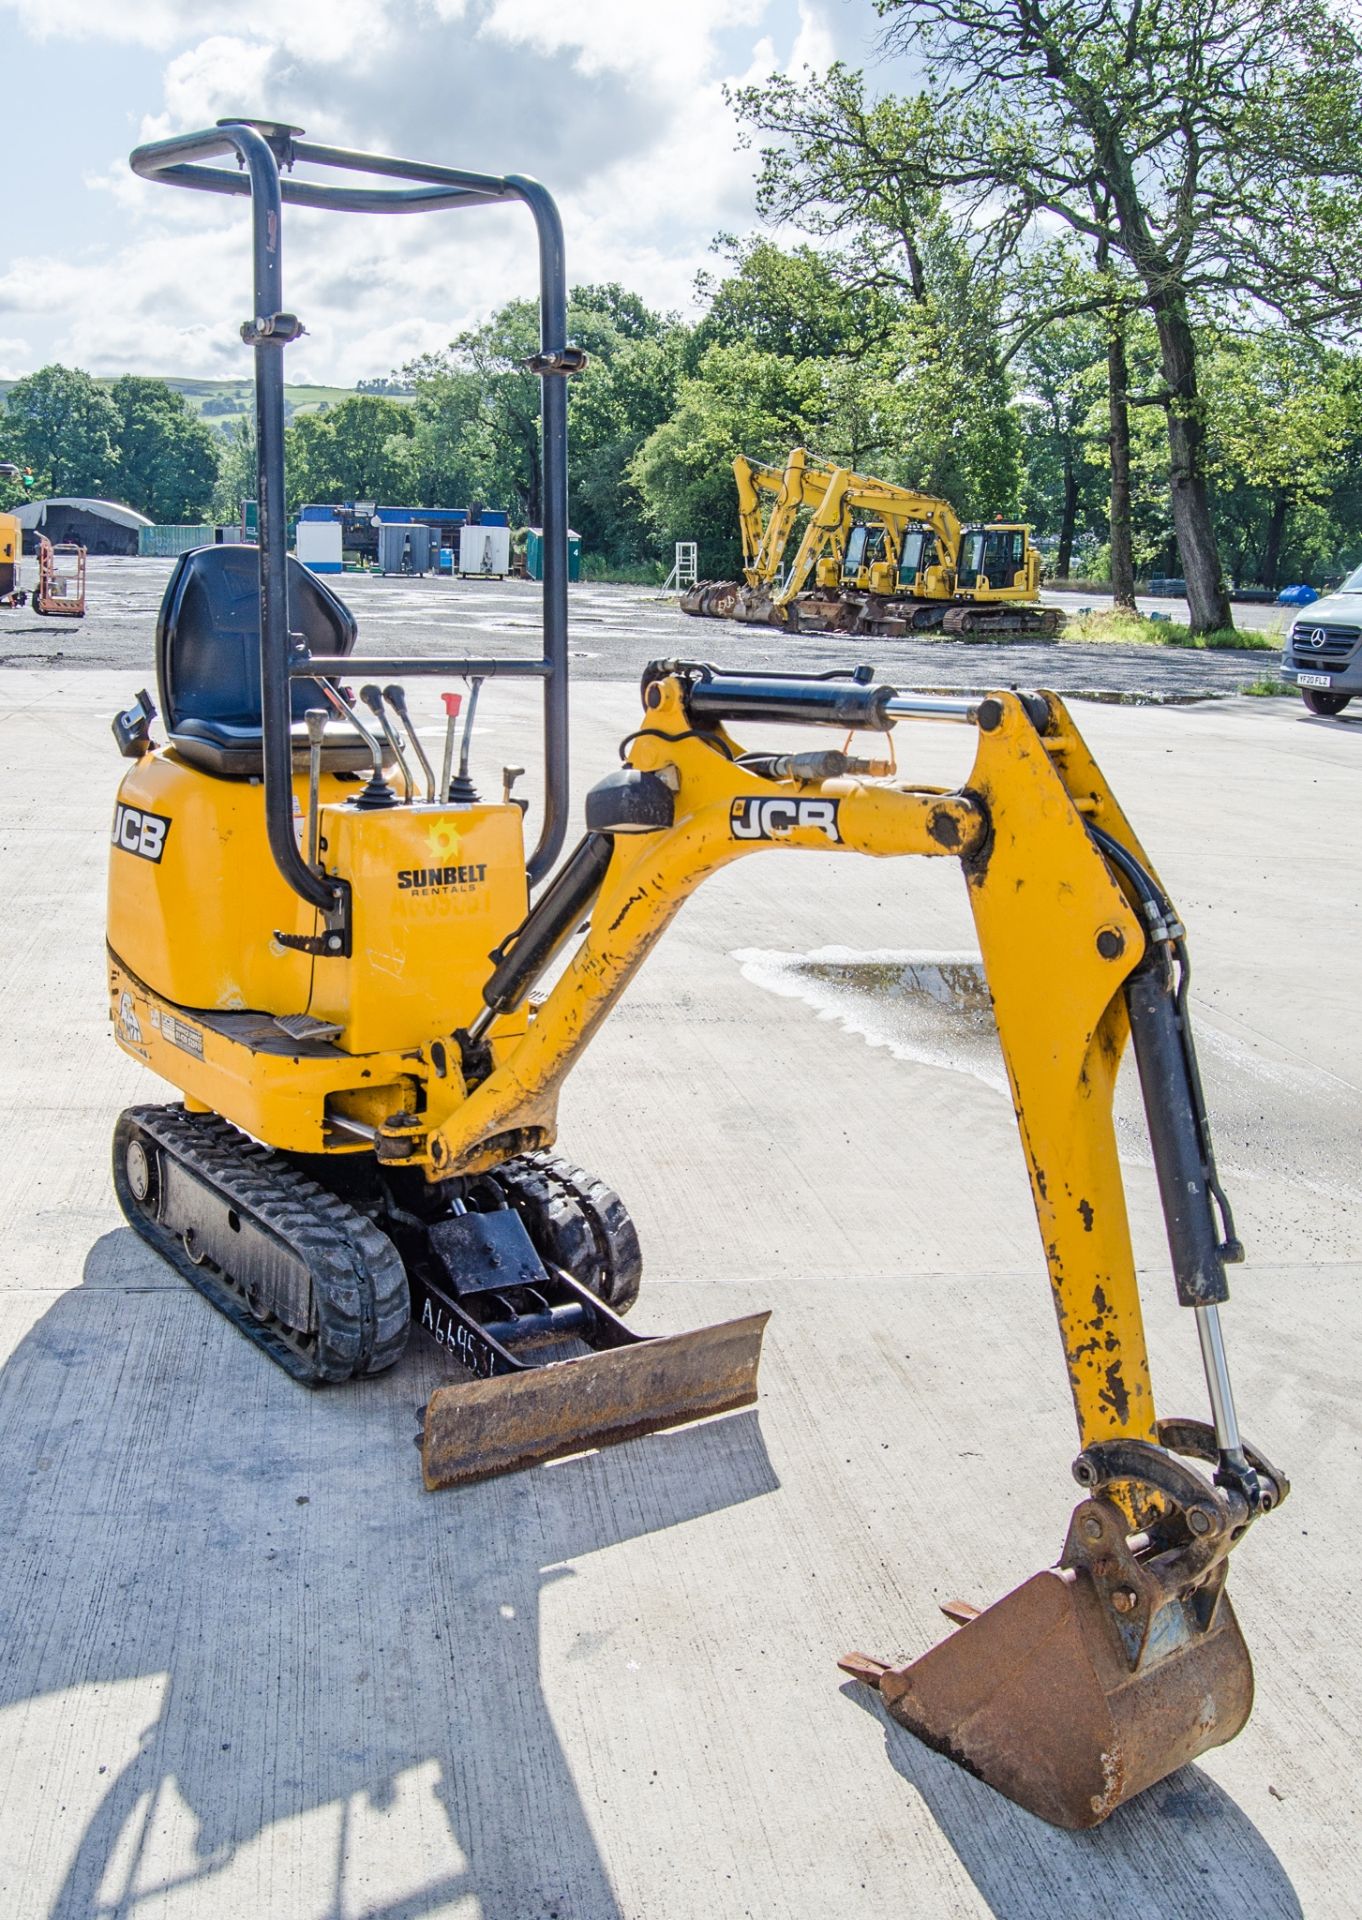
(581, 1215)
(360, 1294)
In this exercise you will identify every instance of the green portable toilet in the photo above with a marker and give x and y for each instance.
(534, 553)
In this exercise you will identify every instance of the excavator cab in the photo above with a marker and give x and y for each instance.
(920, 570)
(871, 558)
(996, 561)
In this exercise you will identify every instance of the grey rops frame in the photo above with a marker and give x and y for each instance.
(262, 149)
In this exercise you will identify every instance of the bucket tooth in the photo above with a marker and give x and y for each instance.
(1037, 1696)
(519, 1419)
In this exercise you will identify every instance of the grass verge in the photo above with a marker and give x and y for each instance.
(640, 573)
(1137, 629)
(1268, 688)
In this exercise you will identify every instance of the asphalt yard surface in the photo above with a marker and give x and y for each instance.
(616, 631)
(253, 1672)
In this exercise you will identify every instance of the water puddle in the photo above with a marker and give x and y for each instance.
(931, 1008)
(1284, 1127)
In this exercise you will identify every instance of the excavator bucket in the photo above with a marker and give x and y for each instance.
(1072, 1694)
(517, 1419)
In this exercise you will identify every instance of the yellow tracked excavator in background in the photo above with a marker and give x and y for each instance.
(797, 487)
(337, 977)
(874, 558)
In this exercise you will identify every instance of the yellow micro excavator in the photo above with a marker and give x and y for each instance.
(337, 977)
(875, 558)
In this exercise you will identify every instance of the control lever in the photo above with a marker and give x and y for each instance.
(372, 697)
(453, 701)
(397, 700)
(509, 776)
(462, 792)
(377, 792)
(315, 722)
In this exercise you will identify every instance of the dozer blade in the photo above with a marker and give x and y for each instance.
(516, 1420)
(1037, 1696)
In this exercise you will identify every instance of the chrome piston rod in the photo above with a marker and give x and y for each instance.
(927, 706)
(1218, 1386)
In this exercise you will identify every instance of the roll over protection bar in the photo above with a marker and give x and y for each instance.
(262, 149)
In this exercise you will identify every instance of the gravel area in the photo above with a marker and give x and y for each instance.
(615, 631)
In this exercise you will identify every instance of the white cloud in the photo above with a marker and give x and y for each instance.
(15, 359)
(668, 44)
(815, 44)
(169, 23)
(618, 107)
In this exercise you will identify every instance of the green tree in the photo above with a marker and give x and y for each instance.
(635, 362)
(739, 400)
(1063, 368)
(497, 434)
(845, 169)
(63, 424)
(803, 304)
(1208, 146)
(360, 449)
(1285, 422)
(447, 433)
(167, 459)
(237, 480)
(476, 414)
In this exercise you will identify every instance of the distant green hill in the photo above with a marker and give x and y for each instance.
(221, 402)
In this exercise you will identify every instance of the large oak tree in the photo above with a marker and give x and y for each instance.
(1211, 147)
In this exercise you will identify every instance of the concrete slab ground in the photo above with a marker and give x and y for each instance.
(252, 1672)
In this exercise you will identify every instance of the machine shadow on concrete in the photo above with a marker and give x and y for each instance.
(1179, 1851)
(177, 1510)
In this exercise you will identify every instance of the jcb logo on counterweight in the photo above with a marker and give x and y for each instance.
(138, 832)
(757, 819)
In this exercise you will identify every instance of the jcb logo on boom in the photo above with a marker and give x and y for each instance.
(756, 819)
(138, 832)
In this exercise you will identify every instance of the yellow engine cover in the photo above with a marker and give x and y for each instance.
(434, 890)
(195, 903)
(194, 897)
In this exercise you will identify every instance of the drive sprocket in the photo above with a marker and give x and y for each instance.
(576, 1222)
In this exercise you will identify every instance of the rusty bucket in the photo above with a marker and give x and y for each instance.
(1087, 1683)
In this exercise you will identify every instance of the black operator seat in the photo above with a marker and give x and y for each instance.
(208, 663)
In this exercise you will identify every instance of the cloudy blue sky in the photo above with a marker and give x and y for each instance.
(616, 104)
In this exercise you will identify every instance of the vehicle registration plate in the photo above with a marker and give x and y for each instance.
(1313, 680)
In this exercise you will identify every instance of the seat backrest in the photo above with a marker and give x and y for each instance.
(208, 635)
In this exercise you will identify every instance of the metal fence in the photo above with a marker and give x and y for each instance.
(163, 543)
